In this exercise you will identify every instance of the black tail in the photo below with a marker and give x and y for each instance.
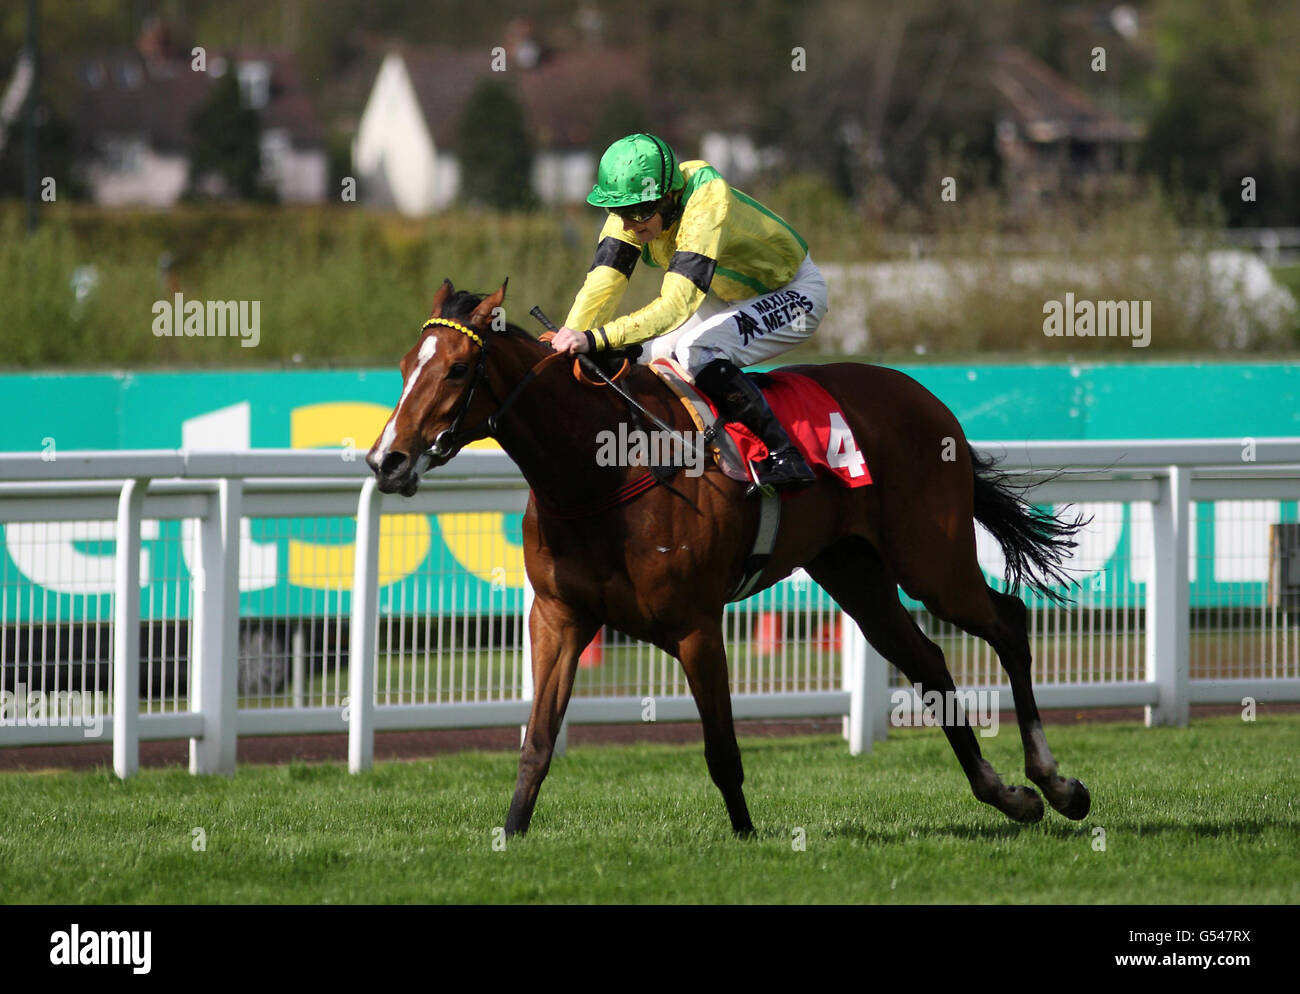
(1033, 542)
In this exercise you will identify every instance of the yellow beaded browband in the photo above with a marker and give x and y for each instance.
(447, 322)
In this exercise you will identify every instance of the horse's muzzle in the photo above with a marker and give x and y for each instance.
(397, 473)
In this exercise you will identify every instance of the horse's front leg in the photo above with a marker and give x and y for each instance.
(704, 658)
(558, 637)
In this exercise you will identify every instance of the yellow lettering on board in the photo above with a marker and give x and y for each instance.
(404, 539)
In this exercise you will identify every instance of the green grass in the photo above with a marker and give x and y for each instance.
(1206, 814)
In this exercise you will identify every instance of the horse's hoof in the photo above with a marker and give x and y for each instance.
(745, 832)
(1080, 801)
(1025, 805)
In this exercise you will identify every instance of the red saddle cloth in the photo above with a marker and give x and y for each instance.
(815, 424)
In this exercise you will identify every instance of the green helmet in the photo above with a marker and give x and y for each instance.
(635, 170)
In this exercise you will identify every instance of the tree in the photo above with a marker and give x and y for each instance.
(227, 157)
(1226, 92)
(496, 149)
(620, 114)
(889, 90)
(55, 144)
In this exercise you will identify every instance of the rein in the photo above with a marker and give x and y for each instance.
(450, 438)
(582, 362)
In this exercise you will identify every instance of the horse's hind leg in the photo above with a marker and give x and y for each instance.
(999, 619)
(703, 655)
(558, 638)
(853, 573)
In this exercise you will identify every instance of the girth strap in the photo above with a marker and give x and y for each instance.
(769, 522)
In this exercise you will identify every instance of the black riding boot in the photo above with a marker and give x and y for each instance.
(739, 399)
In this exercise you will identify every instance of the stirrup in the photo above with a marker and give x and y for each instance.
(786, 470)
(757, 486)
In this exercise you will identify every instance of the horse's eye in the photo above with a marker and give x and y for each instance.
(457, 371)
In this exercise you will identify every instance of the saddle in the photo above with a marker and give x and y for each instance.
(812, 418)
(615, 363)
(721, 443)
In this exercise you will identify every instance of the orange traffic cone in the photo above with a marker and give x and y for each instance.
(769, 633)
(829, 635)
(594, 653)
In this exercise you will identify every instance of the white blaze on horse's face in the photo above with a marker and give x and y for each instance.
(427, 348)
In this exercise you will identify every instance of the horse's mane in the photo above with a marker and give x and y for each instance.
(462, 303)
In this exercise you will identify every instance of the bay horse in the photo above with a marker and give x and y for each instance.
(660, 567)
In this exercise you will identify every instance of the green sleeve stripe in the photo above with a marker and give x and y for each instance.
(745, 199)
(705, 174)
(742, 279)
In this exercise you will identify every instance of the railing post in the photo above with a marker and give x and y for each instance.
(866, 678)
(1168, 601)
(877, 684)
(361, 637)
(298, 649)
(214, 680)
(853, 660)
(126, 630)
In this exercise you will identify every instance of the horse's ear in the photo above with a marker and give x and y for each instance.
(489, 313)
(440, 298)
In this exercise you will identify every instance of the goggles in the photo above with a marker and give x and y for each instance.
(636, 213)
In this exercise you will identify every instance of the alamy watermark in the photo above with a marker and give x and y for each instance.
(1099, 319)
(91, 947)
(84, 709)
(915, 708)
(651, 448)
(181, 318)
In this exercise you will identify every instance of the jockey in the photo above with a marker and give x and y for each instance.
(764, 293)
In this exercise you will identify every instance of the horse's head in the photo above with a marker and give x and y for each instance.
(443, 378)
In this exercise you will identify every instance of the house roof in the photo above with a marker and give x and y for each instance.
(1047, 107)
(125, 93)
(563, 94)
(290, 106)
(443, 82)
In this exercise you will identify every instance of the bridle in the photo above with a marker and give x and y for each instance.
(450, 439)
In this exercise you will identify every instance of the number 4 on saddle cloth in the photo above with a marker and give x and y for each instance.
(810, 416)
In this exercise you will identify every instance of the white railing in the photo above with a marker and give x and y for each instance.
(221, 491)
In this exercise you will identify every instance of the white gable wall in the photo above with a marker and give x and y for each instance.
(446, 180)
(394, 156)
(398, 162)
